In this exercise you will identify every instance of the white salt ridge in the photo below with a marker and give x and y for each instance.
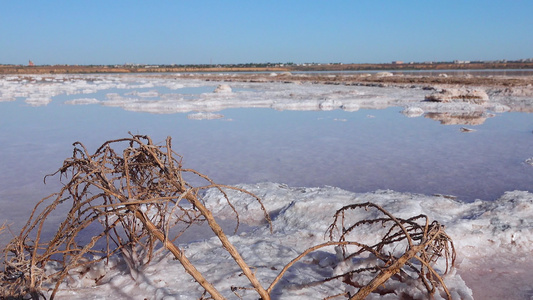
(413, 111)
(529, 161)
(499, 108)
(38, 90)
(384, 74)
(204, 116)
(38, 100)
(83, 101)
(149, 94)
(493, 236)
(281, 96)
(223, 88)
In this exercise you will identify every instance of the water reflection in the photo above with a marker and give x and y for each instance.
(470, 118)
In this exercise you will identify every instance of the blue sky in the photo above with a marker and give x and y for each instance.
(221, 32)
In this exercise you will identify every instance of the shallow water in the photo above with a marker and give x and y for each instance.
(359, 151)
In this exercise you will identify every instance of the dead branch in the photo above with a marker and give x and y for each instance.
(420, 240)
(425, 242)
(134, 192)
(137, 197)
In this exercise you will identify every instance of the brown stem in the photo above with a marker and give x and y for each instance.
(180, 256)
(229, 246)
(386, 273)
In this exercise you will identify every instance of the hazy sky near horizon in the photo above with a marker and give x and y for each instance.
(221, 32)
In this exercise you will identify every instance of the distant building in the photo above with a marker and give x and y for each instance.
(461, 62)
(397, 62)
(30, 63)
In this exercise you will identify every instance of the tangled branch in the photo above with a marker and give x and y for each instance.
(130, 197)
(406, 250)
(419, 244)
(137, 199)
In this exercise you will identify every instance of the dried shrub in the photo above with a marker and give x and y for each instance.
(130, 203)
(402, 250)
(138, 202)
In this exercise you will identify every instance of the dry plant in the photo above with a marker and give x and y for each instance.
(137, 203)
(137, 200)
(406, 251)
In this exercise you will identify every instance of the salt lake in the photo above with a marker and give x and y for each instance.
(298, 135)
(360, 151)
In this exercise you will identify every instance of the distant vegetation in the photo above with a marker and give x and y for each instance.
(277, 67)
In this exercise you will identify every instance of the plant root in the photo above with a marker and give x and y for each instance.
(137, 200)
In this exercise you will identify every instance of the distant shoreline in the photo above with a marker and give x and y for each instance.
(76, 69)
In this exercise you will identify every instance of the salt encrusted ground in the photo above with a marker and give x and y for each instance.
(493, 241)
(282, 92)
